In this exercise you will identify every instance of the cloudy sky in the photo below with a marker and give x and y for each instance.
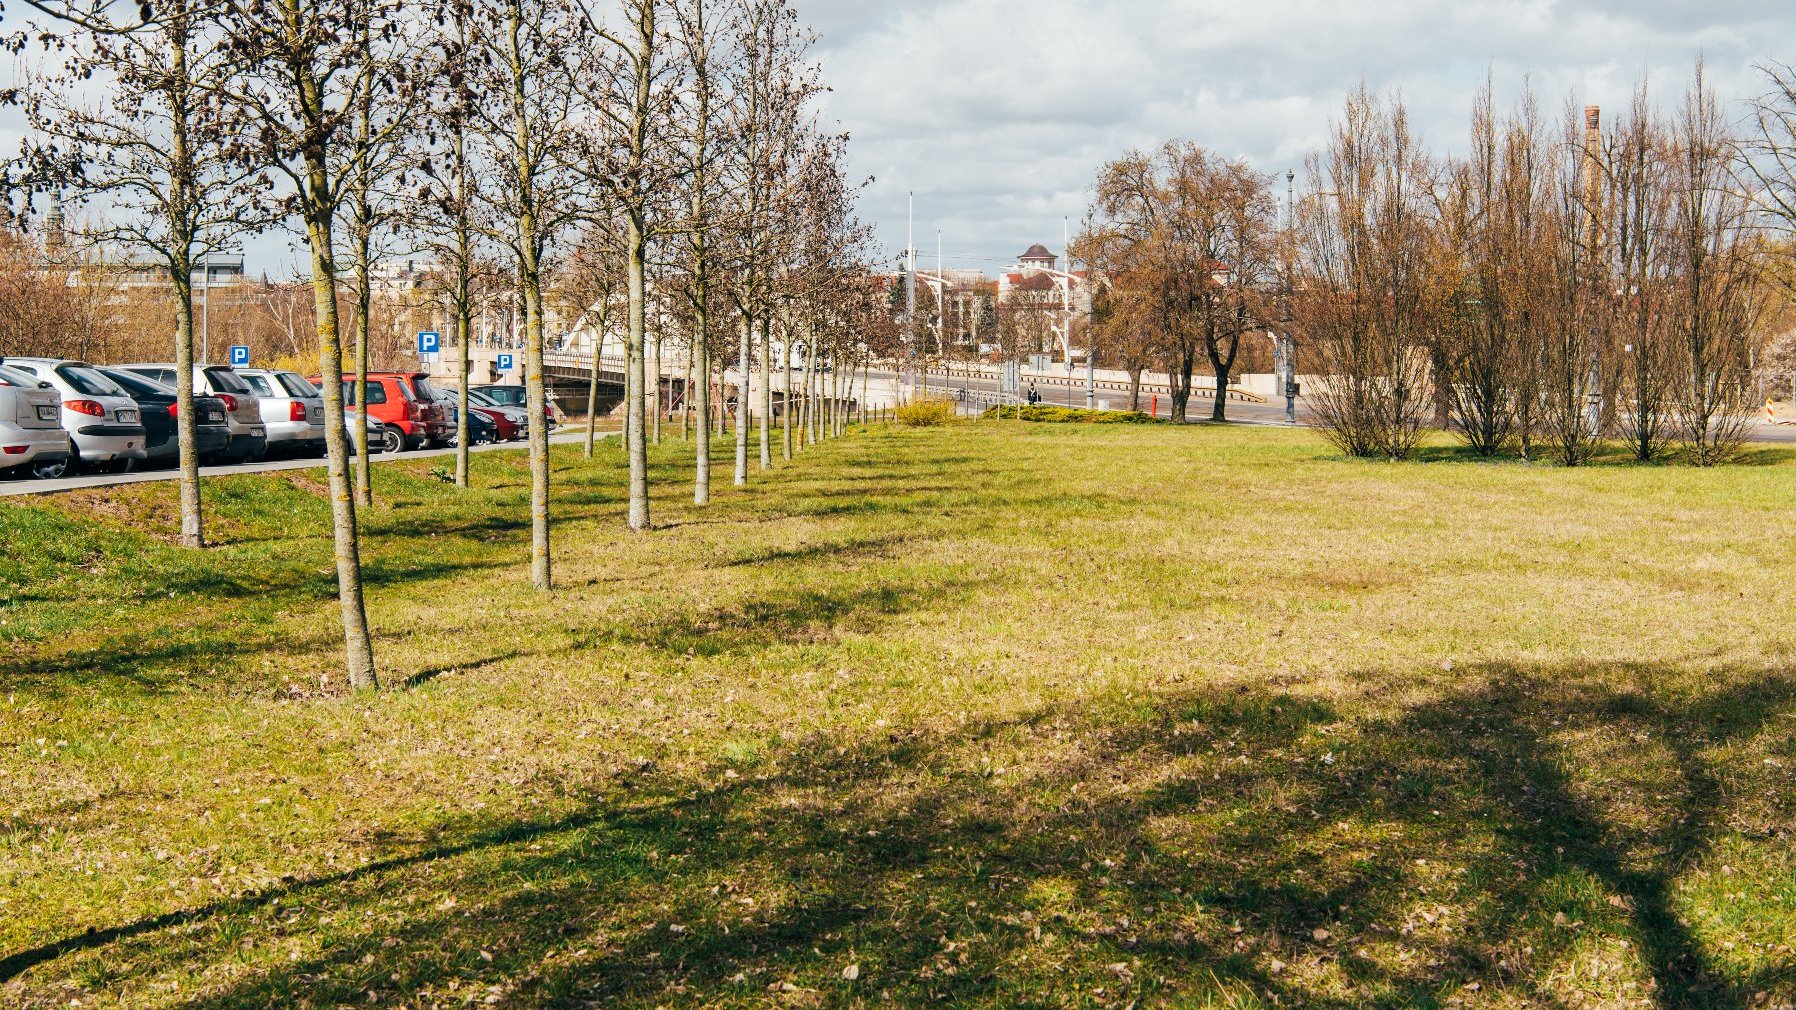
(997, 113)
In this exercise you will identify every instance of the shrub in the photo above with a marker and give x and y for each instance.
(1070, 415)
(926, 413)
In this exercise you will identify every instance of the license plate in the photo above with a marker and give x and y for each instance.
(315, 413)
(215, 416)
(46, 412)
(127, 416)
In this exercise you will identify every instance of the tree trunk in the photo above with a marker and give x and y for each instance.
(464, 364)
(530, 278)
(364, 482)
(638, 442)
(701, 350)
(654, 389)
(592, 387)
(686, 396)
(358, 648)
(809, 394)
(786, 396)
(192, 525)
(766, 433)
(746, 370)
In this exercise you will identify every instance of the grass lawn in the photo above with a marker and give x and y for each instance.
(999, 715)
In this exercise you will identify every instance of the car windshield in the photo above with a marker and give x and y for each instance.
(298, 386)
(229, 381)
(475, 396)
(424, 389)
(509, 395)
(377, 392)
(138, 385)
(259, 383)
(88, 380)
(14, 377)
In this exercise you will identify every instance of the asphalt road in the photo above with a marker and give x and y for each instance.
(1200, 406)
(26, 485)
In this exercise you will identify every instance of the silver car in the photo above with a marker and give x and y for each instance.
(102, 420)
(292, 410)
(31, 435)
(243, 411)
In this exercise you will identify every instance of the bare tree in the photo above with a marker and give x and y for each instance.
(528, 52)
(1770, 156)
(155, 147)
(1640, 266)
(1714, 312)
(1571, 351)
(1363, 228)
(445, 215)
(302, 72)
(1491, 226)
(632, 81)
(777, 85)
(594, 280)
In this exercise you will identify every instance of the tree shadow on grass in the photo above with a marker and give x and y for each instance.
(788, 617)
(1252, 849)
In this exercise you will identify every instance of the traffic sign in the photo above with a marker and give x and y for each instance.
(505, 363)
(429, 341)
(239, 355)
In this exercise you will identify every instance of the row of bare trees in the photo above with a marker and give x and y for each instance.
(1559, 285)
(665, 154)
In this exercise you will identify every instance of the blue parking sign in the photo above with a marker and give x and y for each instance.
(429, 341)
(239, 355)
(504, 362)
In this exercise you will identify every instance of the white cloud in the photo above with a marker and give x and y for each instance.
(997, 113)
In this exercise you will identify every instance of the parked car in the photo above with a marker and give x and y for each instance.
(350, 420)
(243, 412)
(292, 409)
(481, 425)
(517, 396)
(402, 410)
(32, 439)
(158, 406)
(104, 424)
(513, 422)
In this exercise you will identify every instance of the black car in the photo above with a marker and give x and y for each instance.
(156, 405)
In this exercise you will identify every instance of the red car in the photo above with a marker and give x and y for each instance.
(513, 422)
(403, 412)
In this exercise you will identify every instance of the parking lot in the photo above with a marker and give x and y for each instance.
(67, 423)
(27, 486)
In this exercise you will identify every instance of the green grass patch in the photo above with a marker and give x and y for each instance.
(1050, 414)
(989, 715)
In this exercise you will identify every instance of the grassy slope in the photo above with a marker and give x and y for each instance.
(1001, 715)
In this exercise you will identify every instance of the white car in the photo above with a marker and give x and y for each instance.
(292, 410)
(102, 420)
(31, 434)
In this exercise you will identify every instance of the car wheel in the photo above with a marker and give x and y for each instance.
(50, 469)
(392, 439)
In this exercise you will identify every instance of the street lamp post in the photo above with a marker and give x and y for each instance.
(205, 306)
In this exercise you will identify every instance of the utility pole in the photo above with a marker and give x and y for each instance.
(910, 295)
(1285, 346)
(205, 307)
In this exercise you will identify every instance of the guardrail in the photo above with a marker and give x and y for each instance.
(1149, 388)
